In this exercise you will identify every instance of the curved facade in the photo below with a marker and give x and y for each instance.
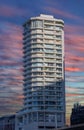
(44, 81)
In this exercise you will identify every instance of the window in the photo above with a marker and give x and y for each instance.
(49, 32)
(59, 118)
(27, 27)
(37, 59)
(49, 50)
(41, 116)
(48, 68)
(30, 117)
(34, 116)
(36, 23)
(59, 50)
(59, 69)
(58, 64)
(58, 36)
(37, 49)
(20, 128)
(48, 45)
(20, 119)
(48, 36)
(39, 23)
(37, 44)
(58, 28)
(48, 21)
(37, 73)
(50, 73)
(37, 64)
(59, 108)
(48, 26)
(59, 46)
(49, 55)
(37, 69)
(37, 36)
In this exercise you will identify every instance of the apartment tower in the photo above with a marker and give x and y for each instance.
(44, 81)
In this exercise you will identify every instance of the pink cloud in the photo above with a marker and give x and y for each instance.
(62, 13)
(73, 29)
(74, 58)
(74, 48)
(74, 39)
(12, 41)
(74, 62)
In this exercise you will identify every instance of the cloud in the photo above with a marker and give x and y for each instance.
(74, 63)
(74, 36)
(75, 79)
(11, 11)
(74, 94)
(11, 58)
(11, 39)
(72, 69)
(62, 13)
(70, 89)
(73, 29)
(11, 79)
(10, 101)
(74, 48)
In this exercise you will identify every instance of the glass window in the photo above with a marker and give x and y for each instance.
(49, 36)
(59, 118)
(34, 116)
(38, 69)
(39, 23)
(30, 117)
(59, 46)
(49, 50)
(48, 21)
(48, 26)
(48, 45)
(58, 28)
(20, 119)
(36, 23)
(37, 36)
(37, 64)
(37, 49)
(37, 59)
(37, 73)
(41, 116)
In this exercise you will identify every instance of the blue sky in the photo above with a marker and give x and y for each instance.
(13, 14)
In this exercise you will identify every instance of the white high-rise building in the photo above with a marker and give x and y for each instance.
(44, 81)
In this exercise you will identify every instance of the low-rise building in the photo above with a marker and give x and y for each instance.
(7, 122)
(74, 127)
(77, 115)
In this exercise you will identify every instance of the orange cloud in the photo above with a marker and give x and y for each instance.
(74, 94)
(72, 69)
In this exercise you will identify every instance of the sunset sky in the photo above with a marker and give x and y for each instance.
(13, 14)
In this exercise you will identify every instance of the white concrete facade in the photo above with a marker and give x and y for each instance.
(44, 81)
